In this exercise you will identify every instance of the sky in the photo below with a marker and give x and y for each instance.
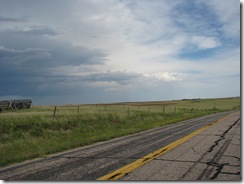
(102, 51)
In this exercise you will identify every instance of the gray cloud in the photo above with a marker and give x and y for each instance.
(27, 61)
(31, 31)
(111, 50)
(29, 55)
(31, 48)
(119, 77)
(30, 72)
(19, 39)
(10, 19)
(40, 31)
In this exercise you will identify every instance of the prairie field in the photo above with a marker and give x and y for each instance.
(41, 130)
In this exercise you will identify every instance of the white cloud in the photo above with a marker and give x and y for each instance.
(109, 86)
(166, 76)
(204, 42)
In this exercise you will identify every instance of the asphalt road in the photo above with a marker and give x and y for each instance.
(214, 154)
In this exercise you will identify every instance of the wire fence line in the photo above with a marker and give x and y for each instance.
(121, 110)
(24, 108)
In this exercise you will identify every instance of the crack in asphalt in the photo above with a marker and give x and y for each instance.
(215, 158)
(222, 137)
(218, 169)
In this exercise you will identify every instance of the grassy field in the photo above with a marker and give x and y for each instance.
(36, 132)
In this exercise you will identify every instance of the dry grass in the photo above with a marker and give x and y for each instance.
(34, 132)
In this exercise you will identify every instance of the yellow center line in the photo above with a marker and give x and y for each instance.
(130, 167)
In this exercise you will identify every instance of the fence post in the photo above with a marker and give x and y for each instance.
(1, 109)
(128, 111)
(54, 112)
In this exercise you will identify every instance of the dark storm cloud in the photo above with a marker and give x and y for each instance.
(34, 47)
(29, 55)
(49, 58)
(28, 58)
(30, 72)
(30, 68)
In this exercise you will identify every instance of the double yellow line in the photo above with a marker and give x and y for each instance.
(130, 167)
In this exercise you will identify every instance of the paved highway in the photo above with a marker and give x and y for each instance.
(213, 153)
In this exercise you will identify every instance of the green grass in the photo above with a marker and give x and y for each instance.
(32, 133)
